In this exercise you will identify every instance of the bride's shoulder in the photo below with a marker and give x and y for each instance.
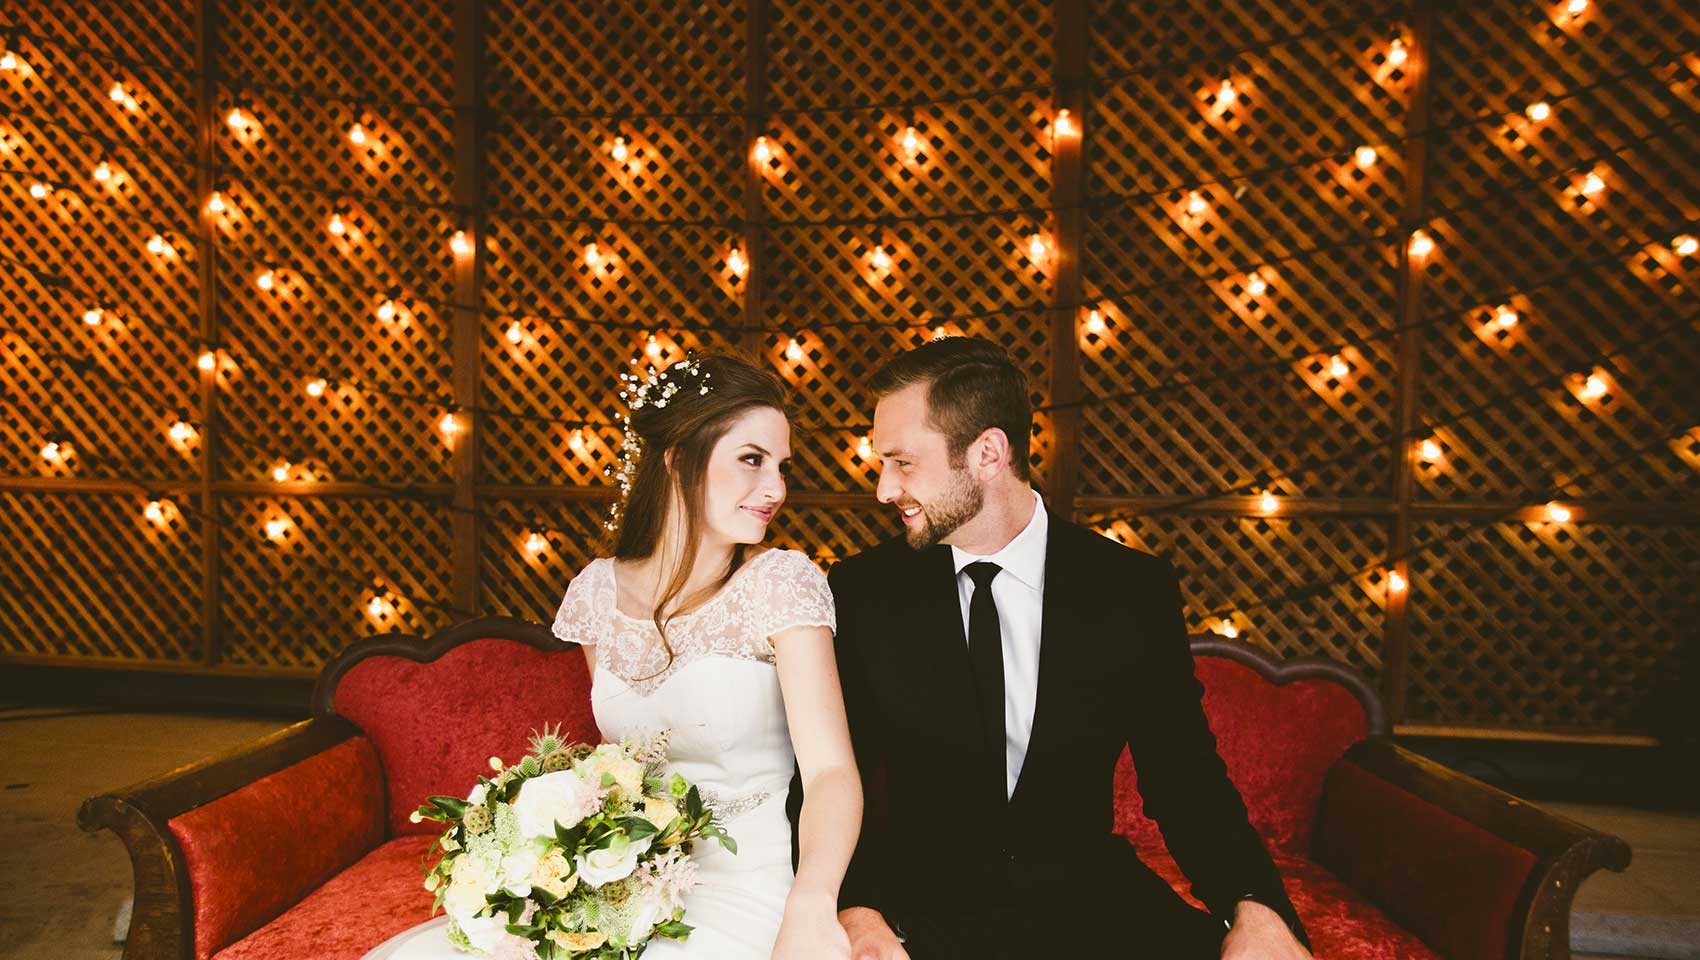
(781, 563)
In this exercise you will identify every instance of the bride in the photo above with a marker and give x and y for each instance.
(692, 627)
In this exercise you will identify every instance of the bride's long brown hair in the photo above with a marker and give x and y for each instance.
(677, 440)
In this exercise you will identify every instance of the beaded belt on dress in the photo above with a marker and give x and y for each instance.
(725, 808)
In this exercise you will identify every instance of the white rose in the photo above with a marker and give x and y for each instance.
(476, 797)
(554, 797)
(485, 933)
(614, 862)
(650, 911)
(469, 884)
(517, 868)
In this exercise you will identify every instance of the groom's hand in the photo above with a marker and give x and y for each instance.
(870, 936)
(1258, 933)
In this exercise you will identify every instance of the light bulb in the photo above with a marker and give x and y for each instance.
(536, 543)
(92, 316)
(516, 333)
(215, 203)
(1505, 318)
(336, 226)
(1558, 513)
(1269, 503)
(1538, 111)
(156, 244)
(763, 151)
(880, 259)
(103, 171)
(266, 280)
(1421, 244)
(865, 448)
(116, 94)
(1592, 184)
(1338, 367)
(39, 190)
(50, 451)
(619, 150)
(1395, 582)
(1227, 629)
(1256, 285)
(1065, 126)
(276, 527)
(280, 473)
(386, 311)
(1365, 156)
(1431, 451)
(1195, 204)
(592, 255)
(1095, 322)
(793, 350)
(736, 263)
(577, 441)
(940, 332)
(208, 360)
(652, 347)
(376, 606)
(460, 244)
(1225, 93)
(1038, 247)
(911, 141)
(1575, 7)
(1396, 52)
(182, 432)
(154, 511)
(1685, 245)
(8, 61)
(357, 133)
(316, 387)
(450, 424)
(234, 117)
(1594, 387)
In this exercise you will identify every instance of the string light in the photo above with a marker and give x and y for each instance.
(1226, 93)
(92, 316)
(266, 280)
(762, 151)
(1365, 156)
(1267, 503)
(207, 361)
(8, 61)
(592, 255)
(356, 133)
(618, 150)
(1065, 125)
(1338, 367)
(117, 94)
(1685, 245)
(911, 141)
(154, 511)
(377, 606)
(316, 387)
(1538, 111)
(1195, 204)
(336, 226)
(280, 473)
(516, 333)
(1505, 318)
(234, 118)
(103, 172)
(1256, 285)
(576, 442)
(865, 448)
(460, 244)
(215, 203)
(1395, 582)
(182, 432)
(1397, 53)
(1592, 184)
(736, 263)
(880, 259)
(1594, 387)
(1558, 513)
(52, 451)
(449, 425)
(1227, 629)
(1576, 7)
(157, 244)
(1430, 451)
(536, 543)
(1095, 323)
(652, 347)
(386, 311)
(793, 350)
(40, 190)
(277, 528)
(1421, 244)
(1039, 248)
(940, 332)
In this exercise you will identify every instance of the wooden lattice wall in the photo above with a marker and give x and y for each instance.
(1224, 306)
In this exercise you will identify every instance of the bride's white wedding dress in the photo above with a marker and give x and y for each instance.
(720, 698)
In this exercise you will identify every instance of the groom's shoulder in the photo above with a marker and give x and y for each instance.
(1106, 554)
(888, 558)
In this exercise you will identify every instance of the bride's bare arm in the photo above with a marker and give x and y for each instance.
(831, 817)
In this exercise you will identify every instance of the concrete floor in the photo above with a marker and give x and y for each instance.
(60, 888)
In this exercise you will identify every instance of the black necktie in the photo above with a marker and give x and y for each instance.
(985, 651)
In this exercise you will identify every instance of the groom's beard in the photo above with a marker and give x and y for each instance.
(958, 505)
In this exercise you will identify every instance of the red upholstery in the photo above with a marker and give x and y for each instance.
(436, 725)
(1278, 743)
(1436, 873)
(363, 906)
(252, 853)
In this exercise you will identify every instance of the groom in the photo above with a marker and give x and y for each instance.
(995, 661)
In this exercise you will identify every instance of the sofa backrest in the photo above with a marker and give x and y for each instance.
(437, 710)
(1279, 727)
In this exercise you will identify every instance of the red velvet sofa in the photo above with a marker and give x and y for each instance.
(299, 846)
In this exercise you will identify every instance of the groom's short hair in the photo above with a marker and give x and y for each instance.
(972, 386)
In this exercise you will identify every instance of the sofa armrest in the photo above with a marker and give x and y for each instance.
(1472, 870)
(162, 922)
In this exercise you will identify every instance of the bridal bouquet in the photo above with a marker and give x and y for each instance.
(573, 852)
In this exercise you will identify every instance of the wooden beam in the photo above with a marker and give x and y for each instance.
(1071, 52)
(758, 15)
(468, 316)
(206, 262)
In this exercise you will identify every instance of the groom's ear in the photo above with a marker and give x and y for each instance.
(991, 450)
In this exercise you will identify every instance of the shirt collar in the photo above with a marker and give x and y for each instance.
(1023, 557)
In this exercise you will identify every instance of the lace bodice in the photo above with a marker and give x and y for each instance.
(772, 591)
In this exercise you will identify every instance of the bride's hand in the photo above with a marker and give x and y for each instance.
(810, 930)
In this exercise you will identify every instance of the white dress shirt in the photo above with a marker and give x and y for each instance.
(1019, 591)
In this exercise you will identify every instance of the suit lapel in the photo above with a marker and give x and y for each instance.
(938, 656)
(1055, 647)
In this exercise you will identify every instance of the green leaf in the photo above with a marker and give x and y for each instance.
(674, 930)
(520, 929)
(569, 837)
(452, 806)
(637, 827)
(722, 836)
(607, 779)
(693, 803)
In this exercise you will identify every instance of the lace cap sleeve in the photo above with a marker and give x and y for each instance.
(793, 593)
(580, 618)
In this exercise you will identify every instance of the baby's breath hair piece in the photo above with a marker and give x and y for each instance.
(656, 390)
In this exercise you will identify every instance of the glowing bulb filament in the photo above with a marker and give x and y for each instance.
(40, 190)
(536, 543)
(1594, 387)
(619, 150)
(103, 172)
(357, 133)
(592, 255)
(1685, 245)
(336, 226)
(1269, 503)
(155, 511)
(763, 151)
(92, 317)
(1431, 451)
(1365, 156)
(793, 350)
(1338, 367)
(386, 311)
(880, 259)
(1227, 629)
(1095, 322)
(156, 244)
(117, 94)
(1066, 127)
(865, 448)
(736, 263)
(215, 203)
(1592, 185)
(208, 360)
(234, 118)
(1395, 582)
(182, 432)
(516, 333)
(1558, 513)
(911, 141)
(266, 280)
(1538, 111)
(1195, 204)
(1225, 93)
(1038, 248)
(1396, 52)
(276, 528)
(316, 387)
(1256, 285)
(1421, 244)
(460, 244)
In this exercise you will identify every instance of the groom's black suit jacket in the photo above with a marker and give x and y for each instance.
(942, 852)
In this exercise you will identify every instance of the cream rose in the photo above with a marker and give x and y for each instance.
(553, 798)
(614, 862)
